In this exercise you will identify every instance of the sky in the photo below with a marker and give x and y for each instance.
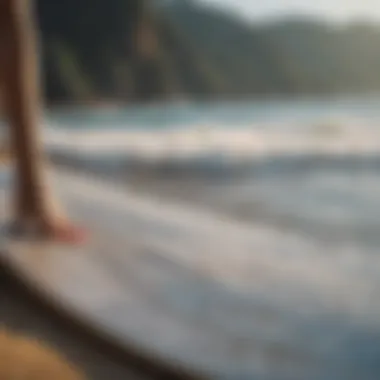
(341, 10)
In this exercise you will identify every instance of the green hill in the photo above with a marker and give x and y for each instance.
(124, 50)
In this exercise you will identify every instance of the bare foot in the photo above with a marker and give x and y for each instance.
(54, 229)
(62, 230)
(46, 220)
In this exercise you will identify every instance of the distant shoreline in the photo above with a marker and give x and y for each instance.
(121, 104)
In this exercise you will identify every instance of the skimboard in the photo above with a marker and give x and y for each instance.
(221, 299)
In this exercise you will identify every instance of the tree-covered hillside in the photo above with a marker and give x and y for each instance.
(128, 50)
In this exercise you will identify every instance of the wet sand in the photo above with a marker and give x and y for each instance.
(20, 313)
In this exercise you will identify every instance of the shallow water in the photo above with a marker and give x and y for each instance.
(309, 165)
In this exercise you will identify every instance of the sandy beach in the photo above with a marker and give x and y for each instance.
(19, 313)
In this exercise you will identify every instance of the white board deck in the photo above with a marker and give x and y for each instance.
(228, 300)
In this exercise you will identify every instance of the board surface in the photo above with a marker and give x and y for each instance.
(224, 299)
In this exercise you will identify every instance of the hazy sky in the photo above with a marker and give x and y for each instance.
(336, 9)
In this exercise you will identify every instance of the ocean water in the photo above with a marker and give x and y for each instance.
(308, 165)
